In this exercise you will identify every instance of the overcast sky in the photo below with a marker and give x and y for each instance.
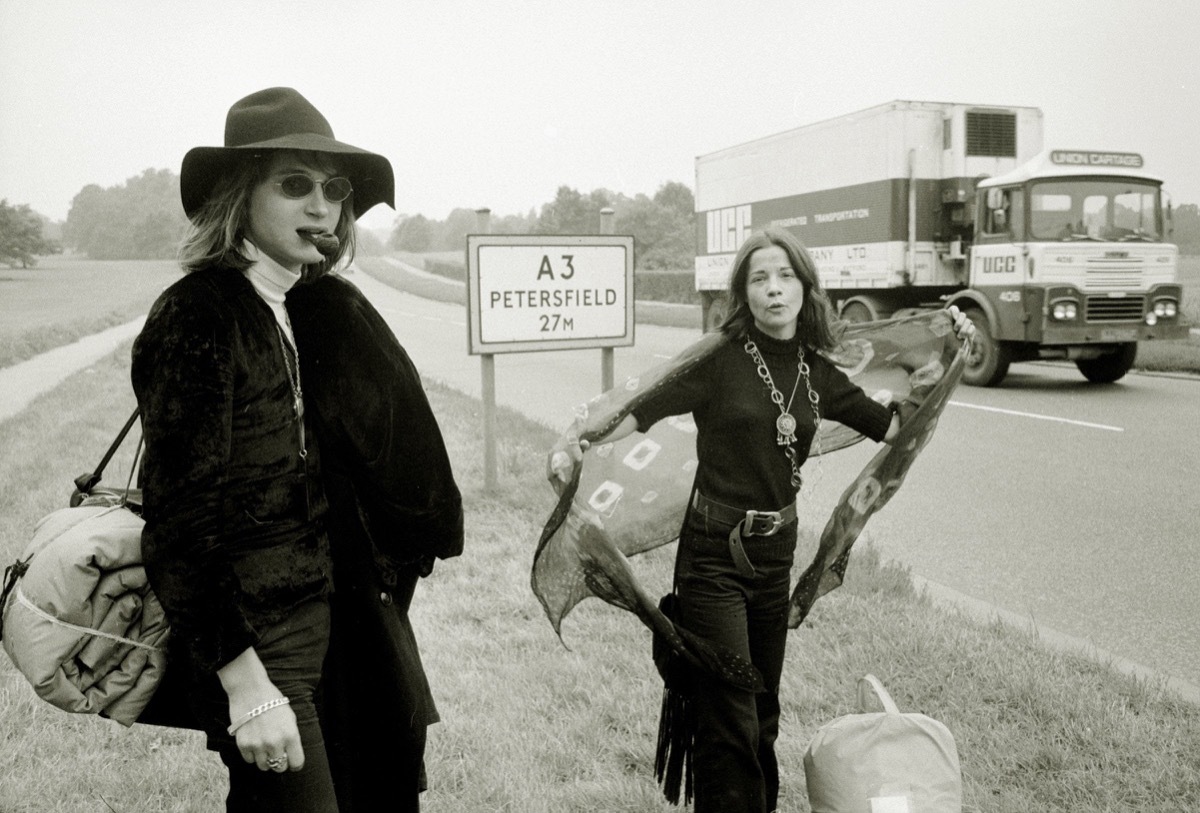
(498, 103)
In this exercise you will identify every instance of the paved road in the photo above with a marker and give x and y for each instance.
(1065, 504)
(1076, 506)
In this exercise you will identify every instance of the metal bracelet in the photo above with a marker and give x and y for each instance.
(256, 711)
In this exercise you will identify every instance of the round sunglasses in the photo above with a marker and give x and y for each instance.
(299, 186)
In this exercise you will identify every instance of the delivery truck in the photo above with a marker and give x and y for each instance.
(909, 206)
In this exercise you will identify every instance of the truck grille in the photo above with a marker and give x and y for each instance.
(1115, 309)
(1112, 275)
(1113, 279)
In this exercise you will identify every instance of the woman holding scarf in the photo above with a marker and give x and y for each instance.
(757, 401)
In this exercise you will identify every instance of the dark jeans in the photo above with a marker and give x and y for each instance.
(292, 652)
(734, 758)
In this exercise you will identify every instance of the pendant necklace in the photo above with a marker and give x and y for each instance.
(294, 382)
(785, 424)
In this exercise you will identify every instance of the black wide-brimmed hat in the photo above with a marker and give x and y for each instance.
(281, 119)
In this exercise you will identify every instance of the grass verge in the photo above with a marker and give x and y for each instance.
(425, 286)
(1182, 356)
(64, 299)
(533, 726)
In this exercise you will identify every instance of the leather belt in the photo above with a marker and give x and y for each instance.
(743, 524)
(751, 522)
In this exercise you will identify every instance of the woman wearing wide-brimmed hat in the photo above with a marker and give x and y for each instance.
(259, 573)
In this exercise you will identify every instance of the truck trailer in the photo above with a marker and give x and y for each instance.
(909, 206)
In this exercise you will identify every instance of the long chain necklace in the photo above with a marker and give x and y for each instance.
(785, 424)
(294, 381)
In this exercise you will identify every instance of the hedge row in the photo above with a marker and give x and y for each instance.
(666, 286)
(449, 270)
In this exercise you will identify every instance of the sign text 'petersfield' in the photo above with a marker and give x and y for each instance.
(538, 292)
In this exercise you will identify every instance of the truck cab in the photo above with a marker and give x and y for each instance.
(1069, 260)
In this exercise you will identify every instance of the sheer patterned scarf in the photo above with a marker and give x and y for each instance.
(629, 497)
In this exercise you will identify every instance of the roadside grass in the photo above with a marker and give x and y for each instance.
(1169, 357)
(426, 287)
(1181, 356)
(63, 299)
(1189, 278)
(533, 726)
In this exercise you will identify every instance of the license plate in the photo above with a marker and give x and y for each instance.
(1127, 334)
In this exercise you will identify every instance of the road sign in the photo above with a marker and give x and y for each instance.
(531, 292)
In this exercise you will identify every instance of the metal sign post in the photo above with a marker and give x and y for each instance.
(487, 371)
(606, 353)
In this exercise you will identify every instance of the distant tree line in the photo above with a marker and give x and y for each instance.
(1187, 228)
(663, 226)
(143, 219)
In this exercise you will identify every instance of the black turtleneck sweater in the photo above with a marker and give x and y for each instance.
(740, 464)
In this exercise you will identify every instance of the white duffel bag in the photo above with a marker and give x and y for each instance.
(883, 762)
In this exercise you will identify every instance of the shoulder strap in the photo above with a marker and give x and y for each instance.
(86, 482)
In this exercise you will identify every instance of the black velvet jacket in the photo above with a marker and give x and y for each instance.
(376, 426)
(394, 508)
(233, 538)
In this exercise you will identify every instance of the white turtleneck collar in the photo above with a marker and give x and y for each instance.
(272, 282)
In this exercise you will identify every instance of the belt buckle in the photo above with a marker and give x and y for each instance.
(749, 527)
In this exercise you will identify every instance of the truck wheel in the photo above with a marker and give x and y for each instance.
(989, 359)
(856, 312)
(715, 308)
(1109, 367)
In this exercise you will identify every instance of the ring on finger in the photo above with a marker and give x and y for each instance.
(278, 763)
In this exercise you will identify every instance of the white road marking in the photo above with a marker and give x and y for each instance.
(1040, 417)
(440, 319)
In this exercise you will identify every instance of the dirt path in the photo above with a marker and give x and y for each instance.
(21, 383)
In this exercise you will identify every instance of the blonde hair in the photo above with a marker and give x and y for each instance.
(217, 229)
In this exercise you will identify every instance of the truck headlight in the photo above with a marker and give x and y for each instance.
(1166, 308)
(1065, 310)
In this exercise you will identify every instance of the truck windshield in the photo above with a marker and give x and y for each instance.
(1099, 209)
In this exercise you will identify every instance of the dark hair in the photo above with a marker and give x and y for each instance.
(815, 325)
(218, 228)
